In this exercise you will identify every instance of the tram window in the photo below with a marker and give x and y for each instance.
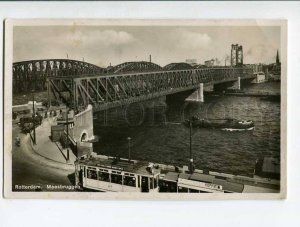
(167, 186)
(183, 189)
(92, 174)
(151, 183)
(204, 191)
(172, 187)
(115, 178)
(129, 181)
(83, 170)
(163, 186)
(194, 191)
(145, 184)
(103, 176)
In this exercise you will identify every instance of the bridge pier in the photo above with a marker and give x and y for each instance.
(81, 131)
(198, 95)
(237, 84)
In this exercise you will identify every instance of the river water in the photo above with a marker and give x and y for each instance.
(157, 134)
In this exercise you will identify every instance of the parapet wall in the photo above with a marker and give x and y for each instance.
(83, 129)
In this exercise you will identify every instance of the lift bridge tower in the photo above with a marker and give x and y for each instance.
(236, 55)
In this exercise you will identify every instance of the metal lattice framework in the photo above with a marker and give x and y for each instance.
(32, 75)
(109, 91)
(178, 66)
(139, 66)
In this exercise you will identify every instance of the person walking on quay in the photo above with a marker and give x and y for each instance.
(18, 141)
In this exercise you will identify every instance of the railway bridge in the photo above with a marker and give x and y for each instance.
(79, 84)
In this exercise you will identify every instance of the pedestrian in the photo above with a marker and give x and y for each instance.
(18, 141)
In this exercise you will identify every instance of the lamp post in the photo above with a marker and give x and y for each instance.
(191, 166)
(33, 119)
(67, 142)
(128, 148)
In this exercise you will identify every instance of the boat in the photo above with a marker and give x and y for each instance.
(228, 124)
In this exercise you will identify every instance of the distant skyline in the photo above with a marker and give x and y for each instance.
(102, 45)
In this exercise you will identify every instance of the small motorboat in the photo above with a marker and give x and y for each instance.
(228, 124)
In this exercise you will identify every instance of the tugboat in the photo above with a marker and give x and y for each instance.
(227, 124)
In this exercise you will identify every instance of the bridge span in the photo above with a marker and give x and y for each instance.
(105, 91)
(79, 83)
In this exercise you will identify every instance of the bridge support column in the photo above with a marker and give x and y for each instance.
(237, 84)
(200, 94)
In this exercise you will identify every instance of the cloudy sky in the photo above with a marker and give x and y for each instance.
(102, 45)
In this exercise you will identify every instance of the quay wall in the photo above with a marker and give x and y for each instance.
(83, 130)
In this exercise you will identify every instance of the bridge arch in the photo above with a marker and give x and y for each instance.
(138, 66)
(178, 66)
(32, 75)
(84, 136)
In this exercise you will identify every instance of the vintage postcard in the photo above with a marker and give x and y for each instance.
(145, 109)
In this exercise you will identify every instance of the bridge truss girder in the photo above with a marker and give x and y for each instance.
(32, 75)
(108, 91)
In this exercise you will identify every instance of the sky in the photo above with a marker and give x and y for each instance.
(102, 45)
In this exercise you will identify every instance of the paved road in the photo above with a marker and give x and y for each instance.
(29, 168)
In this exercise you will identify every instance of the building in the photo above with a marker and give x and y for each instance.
(236, 55)
(260, 77)
(192, 62)
(209, 63)
(277, 59)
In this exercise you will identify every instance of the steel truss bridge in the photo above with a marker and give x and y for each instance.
(32, 75)
(79, 83)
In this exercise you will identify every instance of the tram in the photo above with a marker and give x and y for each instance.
(196, 183)
(123, 175)
(116, 175)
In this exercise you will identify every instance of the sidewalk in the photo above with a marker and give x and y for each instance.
(48, 149)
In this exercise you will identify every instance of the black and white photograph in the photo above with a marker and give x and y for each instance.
(156, 109)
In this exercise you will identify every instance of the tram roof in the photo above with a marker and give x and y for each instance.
(171, 176)
(229, 186)
(184, 176)
(138, 167)
(202, 177)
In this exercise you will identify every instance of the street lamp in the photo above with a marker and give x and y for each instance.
(67, 142)
(128, 148)
(33, 119)
(191, 164)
